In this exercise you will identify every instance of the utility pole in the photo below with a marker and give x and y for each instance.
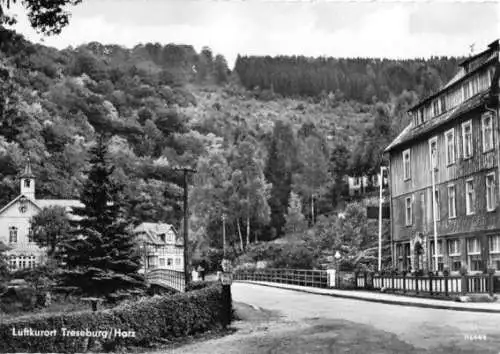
(381, 182)
(434, 206)
(224, 235)
(186, 217)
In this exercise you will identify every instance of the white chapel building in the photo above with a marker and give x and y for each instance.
(15, 230)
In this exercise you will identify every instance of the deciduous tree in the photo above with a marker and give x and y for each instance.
(49, 227)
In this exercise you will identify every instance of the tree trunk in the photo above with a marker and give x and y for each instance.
(312, 209)
(248, 230)
(248, 220)
(240, 235)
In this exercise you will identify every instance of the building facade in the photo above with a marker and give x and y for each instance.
(359, 186)
(160, 246)
(15, 227)
(449, 157)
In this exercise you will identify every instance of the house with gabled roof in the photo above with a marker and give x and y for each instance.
(444, 171)
(161, 246)
(15, 228)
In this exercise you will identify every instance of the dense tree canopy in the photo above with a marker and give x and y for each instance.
(270, 128)
(48, 16)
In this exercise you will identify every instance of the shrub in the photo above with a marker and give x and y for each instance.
(147, 321)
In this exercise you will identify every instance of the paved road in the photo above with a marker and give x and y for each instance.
(427, 329)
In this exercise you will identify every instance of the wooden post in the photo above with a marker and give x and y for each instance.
(464, 285)
(430, 283)
(404, 282)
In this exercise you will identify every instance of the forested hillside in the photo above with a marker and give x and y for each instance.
(270, 127)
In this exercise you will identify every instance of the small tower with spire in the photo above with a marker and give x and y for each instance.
(28, 181)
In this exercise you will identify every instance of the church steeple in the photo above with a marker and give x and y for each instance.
(28, 181)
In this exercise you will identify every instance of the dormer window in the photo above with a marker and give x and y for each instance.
(420, 114)
(442, 103)
(435, 108)
(466, 89)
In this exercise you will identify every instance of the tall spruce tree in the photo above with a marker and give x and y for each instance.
(101, 256)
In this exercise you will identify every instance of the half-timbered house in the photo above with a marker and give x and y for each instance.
(454, 134)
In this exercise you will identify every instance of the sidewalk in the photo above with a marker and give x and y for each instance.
(492, 307)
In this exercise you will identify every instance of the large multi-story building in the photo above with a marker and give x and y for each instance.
(454, 134)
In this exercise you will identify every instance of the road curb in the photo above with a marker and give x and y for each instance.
(383, 301)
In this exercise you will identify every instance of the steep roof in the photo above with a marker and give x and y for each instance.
(467, 68)
(43, 203)
(27, 173)
(410, 132)
(153, 230)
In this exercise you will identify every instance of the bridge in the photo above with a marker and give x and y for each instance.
(166, 278)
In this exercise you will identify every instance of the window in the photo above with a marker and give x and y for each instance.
(12, 262)
(30, 235)
(494, 257)
(487, 129)
(454, 247)
(442, 103)
(466, 89)
(406, 164)
(27, 183)
(177, 261)
(162, 262)
(31, 262)
(467, 139)
(450, 147)
(470, 197)
(169, 261)
(12, 234)
(474, 85)
(439, 254)
(452, 202)
(435, 107)
(437, 215)
(409, 214)
(433, 152)
(454, 255)
(494, 242)
(490, 192)
(474, 254)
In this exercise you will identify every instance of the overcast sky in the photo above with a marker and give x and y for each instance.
(272, 27)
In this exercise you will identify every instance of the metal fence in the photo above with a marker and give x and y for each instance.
(412, 285)
(432, 285)
(303, 277)
(167, 278)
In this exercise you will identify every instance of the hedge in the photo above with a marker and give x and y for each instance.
(143, 323)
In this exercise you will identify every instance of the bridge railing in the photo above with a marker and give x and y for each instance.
(431, 285)
(303, 277)
(167, 277)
